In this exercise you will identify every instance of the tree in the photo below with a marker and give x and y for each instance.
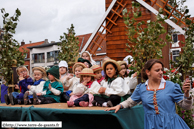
(69, 46)
(179, 4)
(147, 44)
(186, 57)
(9, 46)
(144, 36)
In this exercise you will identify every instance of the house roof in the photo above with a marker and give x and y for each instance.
(83, 39)
(30, 45)
(43, 45)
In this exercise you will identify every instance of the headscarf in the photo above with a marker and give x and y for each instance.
(91, 59)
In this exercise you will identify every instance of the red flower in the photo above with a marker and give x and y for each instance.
(164, 71)
(172, 71)
(165, 77)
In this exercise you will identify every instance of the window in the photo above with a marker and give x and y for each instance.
(52, 56)
(99, 49)
(175, 38)
(98, 63)
(175, 54)
(38, 58)
(26, 55)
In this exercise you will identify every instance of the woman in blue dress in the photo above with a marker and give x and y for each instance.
(159, 97)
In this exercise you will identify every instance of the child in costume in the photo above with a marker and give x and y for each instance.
(112, 89)
(24, 81)
(83, 93)
(129, 82)
(3, 91)
(86, 55)
(53, 88)
(98, 72)
(72, 82)
(63, 71)
(39, 75)
(103, 60)
(129, 60)
(85, 61)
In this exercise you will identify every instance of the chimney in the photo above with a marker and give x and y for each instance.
(46, 41)
(22, 43)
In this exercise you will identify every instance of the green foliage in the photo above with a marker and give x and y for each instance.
(145, 42)
(181, 8)
(185, 61)
(186, 115)
(186, 57)
(9, 47)
(69, 46)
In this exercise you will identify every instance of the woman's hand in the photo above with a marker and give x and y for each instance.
(102, 90)
(116, 108)
(186, 87)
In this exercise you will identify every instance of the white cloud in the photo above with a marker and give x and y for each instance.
(48, 19)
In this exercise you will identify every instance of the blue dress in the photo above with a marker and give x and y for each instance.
(159, 106)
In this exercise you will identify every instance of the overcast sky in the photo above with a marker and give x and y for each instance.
(48, 19)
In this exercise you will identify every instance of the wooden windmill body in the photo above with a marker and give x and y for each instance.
(113, 30)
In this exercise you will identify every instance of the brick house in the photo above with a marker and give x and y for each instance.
(24, 47)
(176, 46)
(45, 54)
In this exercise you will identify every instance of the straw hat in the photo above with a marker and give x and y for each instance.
(87, 71)
(96, 68)
(112, 61)
(122, 63)
(78, 63)
(41, 69)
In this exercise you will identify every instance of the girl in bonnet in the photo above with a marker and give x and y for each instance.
(86, 55)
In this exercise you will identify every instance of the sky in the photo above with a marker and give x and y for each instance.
(49, 19)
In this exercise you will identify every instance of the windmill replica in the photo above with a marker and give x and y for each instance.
(112, 29)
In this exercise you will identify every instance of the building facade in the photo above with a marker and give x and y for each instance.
(45, 55)
(25, 47)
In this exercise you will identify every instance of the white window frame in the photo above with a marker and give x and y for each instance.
(175, 44)
(171, 50)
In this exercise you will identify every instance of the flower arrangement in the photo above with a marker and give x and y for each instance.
(174, 76)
